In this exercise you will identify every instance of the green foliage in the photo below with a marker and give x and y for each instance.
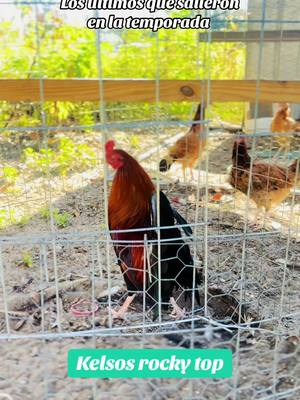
(24, 220)
(61, 219)
(39, 161)
(68, 156)
(9, 174)
(69, 52)
(74, 156)
(27, 260)
(134, 141)
(45, 213)
(7, 217)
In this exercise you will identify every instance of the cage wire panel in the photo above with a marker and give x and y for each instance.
(60, 278)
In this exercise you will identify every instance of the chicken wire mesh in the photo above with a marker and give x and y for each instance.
(60, 278)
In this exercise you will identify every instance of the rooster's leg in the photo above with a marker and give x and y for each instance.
(258, 220)
(259, 215)
(183, 172)
(277, 153)
(283, 149)
(192, 174)
(177, 313)
(263, 218)
(120, 314)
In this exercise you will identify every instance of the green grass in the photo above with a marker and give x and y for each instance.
(62, 219)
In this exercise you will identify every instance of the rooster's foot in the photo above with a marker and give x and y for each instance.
(121, 313)
(177, 313)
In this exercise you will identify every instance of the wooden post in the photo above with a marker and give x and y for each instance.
(143, 90)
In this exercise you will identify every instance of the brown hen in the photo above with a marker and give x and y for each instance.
(283, 123)
(270, 184)
(187, 149)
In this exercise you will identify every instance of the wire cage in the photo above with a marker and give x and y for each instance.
(59, 273)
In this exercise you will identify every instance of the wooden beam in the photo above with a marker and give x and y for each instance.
(139, 90)
(252, 36)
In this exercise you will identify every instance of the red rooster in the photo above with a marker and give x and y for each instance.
(132, 205)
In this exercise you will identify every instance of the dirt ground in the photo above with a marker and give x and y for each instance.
(252, 269)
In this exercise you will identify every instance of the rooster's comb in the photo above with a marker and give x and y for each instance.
(109, 146)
